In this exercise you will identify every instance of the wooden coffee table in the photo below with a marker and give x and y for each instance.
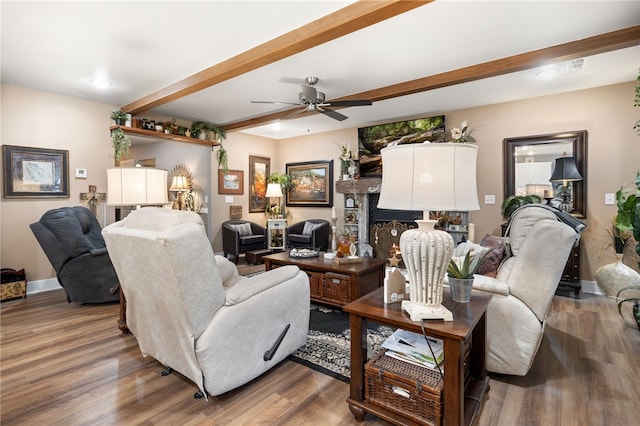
(465, 335)
(334, 284)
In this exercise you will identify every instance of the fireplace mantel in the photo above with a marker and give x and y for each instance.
(369, 185)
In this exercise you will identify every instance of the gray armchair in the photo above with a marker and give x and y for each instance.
(190, 310)
(70, 238)
(241, 236)
(539, 243)
(312, 233)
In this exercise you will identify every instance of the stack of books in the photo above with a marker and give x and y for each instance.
(414, 348)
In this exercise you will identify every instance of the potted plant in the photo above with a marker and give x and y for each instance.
(513, 202)
(121, 143)
(627, 220)
(119, 116)
(223, 159)
(206, 131)
(461, 276)
(636, 303)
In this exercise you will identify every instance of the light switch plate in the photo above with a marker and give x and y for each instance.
(489, 199)
(228, 198)
(609, 199)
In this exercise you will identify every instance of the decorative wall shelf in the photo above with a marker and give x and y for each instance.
(147, 135)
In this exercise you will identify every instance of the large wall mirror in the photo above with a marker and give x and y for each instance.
(529, 163)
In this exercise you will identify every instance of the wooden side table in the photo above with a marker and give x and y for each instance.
(461, 403)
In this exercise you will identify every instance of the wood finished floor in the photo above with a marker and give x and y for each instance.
(66, 364)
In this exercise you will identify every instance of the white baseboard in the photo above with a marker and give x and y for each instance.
(39, 286)
(591, 287)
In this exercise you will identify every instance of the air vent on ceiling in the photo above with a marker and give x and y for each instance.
(576, 65)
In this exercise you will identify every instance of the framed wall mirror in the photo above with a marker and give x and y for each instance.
(529, 162)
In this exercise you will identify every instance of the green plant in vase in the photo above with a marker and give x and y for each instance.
(627, 220)
(635, 310)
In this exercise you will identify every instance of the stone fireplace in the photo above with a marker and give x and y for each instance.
(378, 228)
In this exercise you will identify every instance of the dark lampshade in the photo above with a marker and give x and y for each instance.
(565, 170)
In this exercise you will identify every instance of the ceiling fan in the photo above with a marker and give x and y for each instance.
(312, 100)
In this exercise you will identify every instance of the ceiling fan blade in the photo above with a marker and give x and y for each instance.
(274, 102)
(333, 114)
(355, 102)
(309, 93)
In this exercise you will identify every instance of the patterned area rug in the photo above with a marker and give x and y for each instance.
(328, 347)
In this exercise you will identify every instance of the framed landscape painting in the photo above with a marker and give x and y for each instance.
(313, 184)
(35, 172)
(231, 183)
(259, 171)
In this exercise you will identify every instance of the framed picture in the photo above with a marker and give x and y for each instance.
(231, 183)
(313, 184)
(35, 172)
(259, 171)
(373, 138)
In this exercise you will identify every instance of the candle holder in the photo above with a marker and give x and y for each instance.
(334, 240)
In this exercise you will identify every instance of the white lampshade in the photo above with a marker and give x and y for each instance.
(274, 190)
(429, 176)
(129, 186)
(179, 183)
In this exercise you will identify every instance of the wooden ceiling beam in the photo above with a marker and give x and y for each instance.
(337, 24)
(602, 43)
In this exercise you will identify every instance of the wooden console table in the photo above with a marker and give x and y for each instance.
(461, 402)
(334, 284)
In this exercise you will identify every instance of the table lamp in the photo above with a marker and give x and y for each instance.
(180, 185)
(136, 186)
(274, 190)
(566, 171)
(428, 176)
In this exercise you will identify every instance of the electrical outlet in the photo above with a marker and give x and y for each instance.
(489, 199)
(609, 199)
(204, 210)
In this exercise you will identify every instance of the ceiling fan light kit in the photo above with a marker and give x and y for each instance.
(312, 100)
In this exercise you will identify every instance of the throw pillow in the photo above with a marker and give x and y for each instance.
(491, 263)
(243, 229)
(309, 227)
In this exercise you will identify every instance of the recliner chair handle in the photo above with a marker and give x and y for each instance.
(268, 355)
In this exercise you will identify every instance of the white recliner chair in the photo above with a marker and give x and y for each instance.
(524, 287)
(191, 310)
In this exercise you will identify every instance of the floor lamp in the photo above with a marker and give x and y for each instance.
(136, 186)
(428, 176)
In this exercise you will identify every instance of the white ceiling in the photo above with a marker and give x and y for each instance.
(141, 47)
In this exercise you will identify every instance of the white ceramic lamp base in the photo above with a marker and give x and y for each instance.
(426, 253)
(419, 312)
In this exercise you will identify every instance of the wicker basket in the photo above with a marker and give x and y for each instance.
(406, 389)
(13, 285)
(337, 287)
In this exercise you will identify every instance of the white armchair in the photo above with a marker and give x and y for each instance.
(524, 288)
(191, 310)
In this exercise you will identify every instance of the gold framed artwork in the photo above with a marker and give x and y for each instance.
(259, 171)
(231, 182)
(313, 184)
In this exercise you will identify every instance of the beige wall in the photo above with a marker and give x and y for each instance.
(40, 119)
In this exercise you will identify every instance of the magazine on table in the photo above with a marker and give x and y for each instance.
(412, 347)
